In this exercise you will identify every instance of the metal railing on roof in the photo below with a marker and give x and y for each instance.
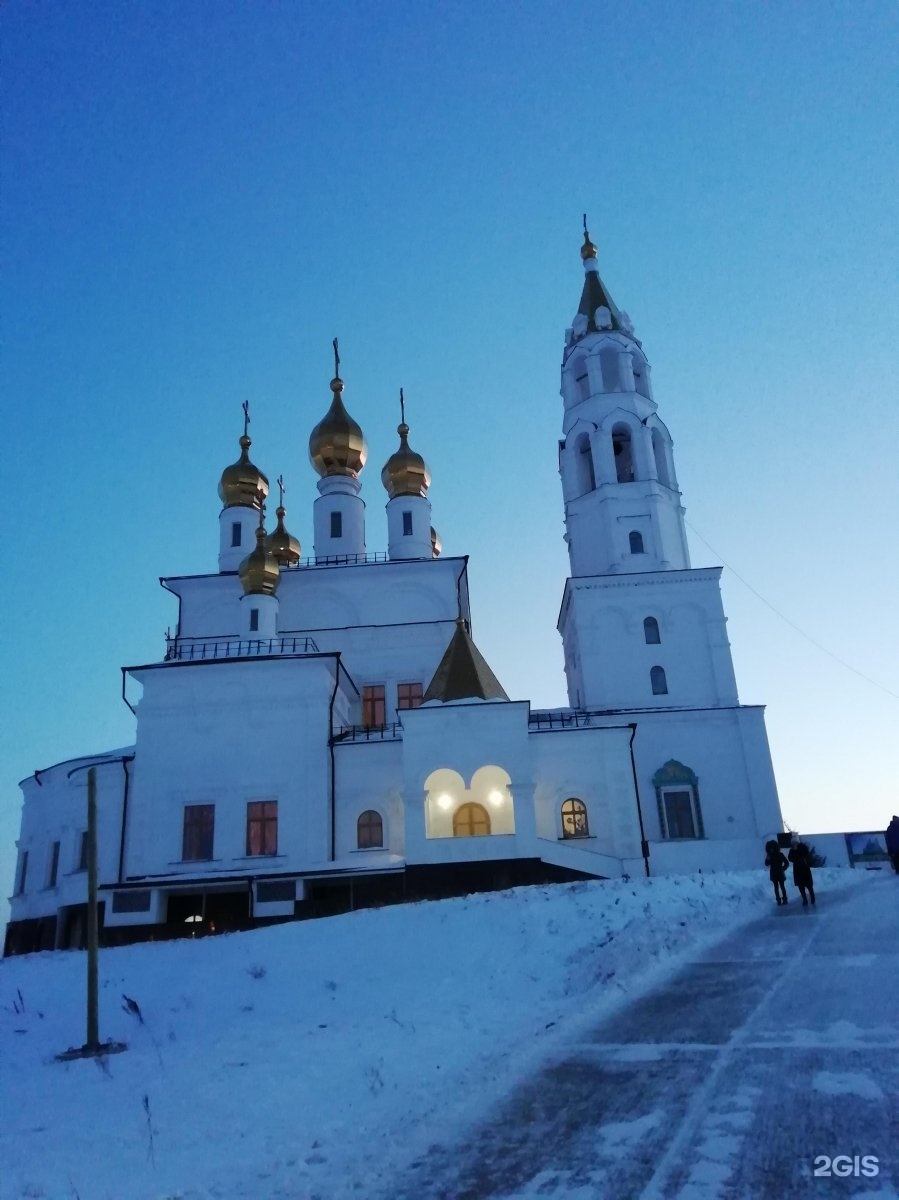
(553, 719)
(338, 560)
(198, 649)
(369, 733)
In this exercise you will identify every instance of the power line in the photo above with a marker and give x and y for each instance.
(808, 637)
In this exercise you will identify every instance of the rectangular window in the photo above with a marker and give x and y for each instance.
(23, 873)
(679, 813)
(254, 620)
(131, 902)
(374, 706)
(262, 827)
(275, 891)
(235, 533)
(54, 865)
(199, 826)
(407, 524)
(82, 852)
(408, 695)
(336, 524)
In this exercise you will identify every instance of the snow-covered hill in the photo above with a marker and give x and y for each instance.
(313, 1059)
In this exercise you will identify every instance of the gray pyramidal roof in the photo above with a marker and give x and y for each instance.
(463, 673)
(595, 296)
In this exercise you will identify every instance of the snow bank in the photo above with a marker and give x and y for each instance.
(309, 1060)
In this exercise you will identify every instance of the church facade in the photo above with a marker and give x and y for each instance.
(323, 733)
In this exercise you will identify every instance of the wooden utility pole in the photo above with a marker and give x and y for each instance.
(92, 1046)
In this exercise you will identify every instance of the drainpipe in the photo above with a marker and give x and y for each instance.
(644, 845)
(333, 796)
(125, 762)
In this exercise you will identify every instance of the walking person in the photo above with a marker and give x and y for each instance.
(801, 858)
(777, 870)
(892, 840)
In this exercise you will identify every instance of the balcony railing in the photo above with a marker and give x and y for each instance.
(337, 560)
(198, 649)
(552, 719)
(369, 733)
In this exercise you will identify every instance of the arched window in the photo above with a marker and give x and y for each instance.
(471, 820)
(574, 819)
(677, 793)
(659, 682)
(585, 474)
(641, 374)
(624, 458)
(636, 540)
(370, 831)
(651, 631)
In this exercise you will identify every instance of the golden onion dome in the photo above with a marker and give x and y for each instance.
(436, 544)
(405, 473)
(588, 250)
(336, 444)
(243, 484)
(259, 572)
(284, 546)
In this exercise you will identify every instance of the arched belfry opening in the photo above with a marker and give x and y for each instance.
(586, 474)
(660, 454)
(622, 448)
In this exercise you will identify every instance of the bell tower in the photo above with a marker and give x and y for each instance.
(622, 504)
(640, 628)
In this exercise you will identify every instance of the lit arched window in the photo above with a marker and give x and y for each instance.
(370, 831)
(651, 631)
(471, 820)
(636, 540)
(574, 819)
(659, 682)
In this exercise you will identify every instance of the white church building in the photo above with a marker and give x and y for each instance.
(324, 734)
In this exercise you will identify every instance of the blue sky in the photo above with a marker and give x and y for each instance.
(198, 196)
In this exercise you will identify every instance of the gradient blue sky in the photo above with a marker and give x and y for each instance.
(198, 196)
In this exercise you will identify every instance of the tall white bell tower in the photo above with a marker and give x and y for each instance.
(640, 628)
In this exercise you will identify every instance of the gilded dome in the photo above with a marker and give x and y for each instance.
(242, 484)
(588, 250)
(259, 572)
(405, 473)
(284, 546)
(436, 544)
(336, 444)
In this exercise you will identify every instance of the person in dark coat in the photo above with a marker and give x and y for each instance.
(892, 840)
(801, 858)
(777, 870)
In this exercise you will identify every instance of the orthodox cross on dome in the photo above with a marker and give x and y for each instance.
(336, 359)
(246, 417)
(402, 408)
(281, 490)
(586, 232)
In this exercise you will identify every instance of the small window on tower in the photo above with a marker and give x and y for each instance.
(235, 533)
(636, 540)
(254, 620)
(651, 631)
(336, 524)
(407, 524)
(658, 681)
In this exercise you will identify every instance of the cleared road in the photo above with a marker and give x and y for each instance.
(776, 1047)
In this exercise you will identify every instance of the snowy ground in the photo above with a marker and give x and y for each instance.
(598, 1041)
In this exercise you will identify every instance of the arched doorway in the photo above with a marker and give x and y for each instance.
(471, 820)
